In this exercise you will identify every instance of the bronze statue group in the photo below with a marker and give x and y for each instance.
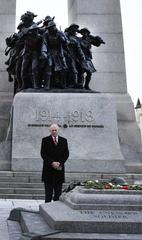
(46, 57)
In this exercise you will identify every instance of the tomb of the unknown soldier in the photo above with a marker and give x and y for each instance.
(74, 79)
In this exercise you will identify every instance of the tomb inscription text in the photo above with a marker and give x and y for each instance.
(109, 214)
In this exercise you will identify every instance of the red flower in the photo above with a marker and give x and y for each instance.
(126, 187)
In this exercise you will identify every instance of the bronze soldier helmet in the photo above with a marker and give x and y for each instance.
(31, 13)
(84, 30)
(47, 20)
(73, 26)
(72, 29)
(24, 17)
(28, 16)
(33, 27)
(51, 24)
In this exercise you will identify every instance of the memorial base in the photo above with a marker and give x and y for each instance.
(87, 120)
(80, 211)
(84, 214)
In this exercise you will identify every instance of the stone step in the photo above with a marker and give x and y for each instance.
(33, 225)
(22, 196)
(18, 184)
(23, 190)
(69, 220)
(70, 176)
(18, 174)
(105, 176)
(36, 185)
(21, 185)
(93, 236)
(23, 179)
(14, 230)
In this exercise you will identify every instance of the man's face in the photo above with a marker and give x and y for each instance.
(54, 131)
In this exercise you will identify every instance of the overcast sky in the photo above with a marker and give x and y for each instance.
(43, 8)
(131, 11)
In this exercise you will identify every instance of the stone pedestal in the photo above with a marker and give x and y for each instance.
(87, 120)
(92, 211)
(84, 214)
(103, 18)
(7, 27)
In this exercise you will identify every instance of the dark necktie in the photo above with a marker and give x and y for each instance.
(55, 141)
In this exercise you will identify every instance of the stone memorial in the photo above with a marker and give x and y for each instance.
(99, 124)
(92, 211)
(88, 120)
(85, 214)
(103, 19)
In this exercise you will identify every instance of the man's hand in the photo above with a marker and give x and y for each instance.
(55, 165)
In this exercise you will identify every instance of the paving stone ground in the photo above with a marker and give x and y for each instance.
(6, 205)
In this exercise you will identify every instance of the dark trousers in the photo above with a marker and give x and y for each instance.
(51, 188)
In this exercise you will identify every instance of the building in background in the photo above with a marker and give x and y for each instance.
(138, 112)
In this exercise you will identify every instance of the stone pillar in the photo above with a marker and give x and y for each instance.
(7, 27)
(103, 18)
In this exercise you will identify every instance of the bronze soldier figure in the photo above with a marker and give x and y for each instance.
(86, 42)
(55, 62)
(75, 57)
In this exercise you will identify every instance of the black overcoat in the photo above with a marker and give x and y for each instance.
(54, 153)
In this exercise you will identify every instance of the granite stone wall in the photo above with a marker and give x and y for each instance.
(103, 18)
(7, 27)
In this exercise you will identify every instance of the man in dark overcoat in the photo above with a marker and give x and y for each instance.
(54, 152)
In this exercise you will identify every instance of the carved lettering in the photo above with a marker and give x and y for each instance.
(74, 116)
(109, 214)
(70, 119)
